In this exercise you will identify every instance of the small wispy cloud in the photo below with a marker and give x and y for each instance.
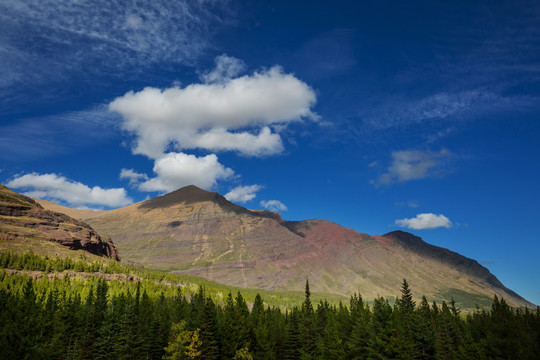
(132, 176)
(425, 221)
(439, 106)
(412, 165)
(227, 67)
(243, 194)
(411, 204)
(273, 205)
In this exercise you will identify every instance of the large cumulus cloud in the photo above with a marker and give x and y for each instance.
(232, 114)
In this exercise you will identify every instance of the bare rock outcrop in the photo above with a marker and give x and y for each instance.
(23, 218)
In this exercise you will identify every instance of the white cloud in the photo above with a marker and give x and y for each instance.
(243, 194)
(227, 67)
(175, 170)
(58, 188)
(425, 221)
(220, 116)
(412, 165)
(133, 176)
(273, 205)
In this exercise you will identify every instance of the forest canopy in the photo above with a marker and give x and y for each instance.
(130, 318)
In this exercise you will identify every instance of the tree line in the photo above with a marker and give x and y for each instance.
(92, 318)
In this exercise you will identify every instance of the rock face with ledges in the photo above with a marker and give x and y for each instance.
(23, 218)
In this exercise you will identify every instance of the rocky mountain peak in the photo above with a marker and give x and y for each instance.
(187, 195)
(193, 195)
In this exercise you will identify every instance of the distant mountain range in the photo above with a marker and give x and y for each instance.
(196, 232)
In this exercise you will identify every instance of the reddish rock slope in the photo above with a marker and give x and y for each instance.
(22, 218)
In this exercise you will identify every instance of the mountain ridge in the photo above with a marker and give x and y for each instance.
(197, 232)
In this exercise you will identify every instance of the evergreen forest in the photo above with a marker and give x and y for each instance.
(130, 317)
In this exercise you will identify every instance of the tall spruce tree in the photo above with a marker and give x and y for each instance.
(209, 347)
(358, 341)
(425, 337)
(262, 345)
(227, 332)
(308, 329)
(293, 339)
(406, 302)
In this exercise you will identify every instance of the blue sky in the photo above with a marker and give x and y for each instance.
(419, 115)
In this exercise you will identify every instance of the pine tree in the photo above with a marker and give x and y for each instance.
(406, 324)
(179, 306)
(262, 346)
(359, 338)
(307, 328)
(293, 340)
(160, 329)
(447, 336)
(332, 345)
(8, 325)
(28, 325)
(503, 338)
(383, 343)
(105, 343)
(209, 347)
(228, 335)
(424, 335)
(406, 303)
(146, 314)
(345, 318)
(277, 332)
(321, 318)
(243, 329)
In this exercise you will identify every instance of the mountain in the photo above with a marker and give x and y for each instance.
(197, 232)
(25, 224)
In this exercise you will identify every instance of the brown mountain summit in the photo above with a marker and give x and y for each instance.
(197, 232)
(24, 220)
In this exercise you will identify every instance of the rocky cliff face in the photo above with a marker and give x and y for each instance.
(196, 232)
(23, 218)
